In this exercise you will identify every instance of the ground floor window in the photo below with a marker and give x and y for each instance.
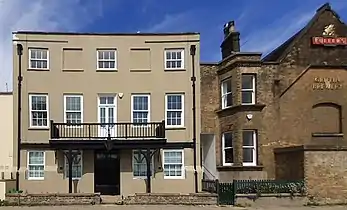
(227, 147)
(36, 165)
(173, 161)
(76, 165)
(249, 147)
(139, 165)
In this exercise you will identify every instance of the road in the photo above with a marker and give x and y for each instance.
(169, 207)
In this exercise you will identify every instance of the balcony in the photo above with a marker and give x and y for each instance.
(103, 131)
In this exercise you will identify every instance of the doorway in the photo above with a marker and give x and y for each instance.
(107, 172)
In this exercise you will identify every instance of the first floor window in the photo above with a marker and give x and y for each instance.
(248, 89)
(249, 147)
(227, 96)
(174, 110)
(228, 150)
(38, 105)
(173, 161)
(107, 59)
(38, 58)
(139, 164)
(140, 108)
(36, 165)
(76, 165)
(73, 108)
(174, 59)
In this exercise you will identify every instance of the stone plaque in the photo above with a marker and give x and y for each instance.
(326, 83)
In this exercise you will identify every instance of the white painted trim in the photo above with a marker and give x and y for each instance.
(166, 110)
(132, 106)
(43, 49)
(30, 110)
(183, 166)
(223, 150)
(133, 162)
(65, 169)
(73, 95)
(253, 90)
(254, 147)
(182, 58)
(225, 96)
(115, 60)
(44, 165)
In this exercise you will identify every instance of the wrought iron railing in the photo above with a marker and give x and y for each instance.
(119, 130)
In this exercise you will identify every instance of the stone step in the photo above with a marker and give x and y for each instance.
(111, 199)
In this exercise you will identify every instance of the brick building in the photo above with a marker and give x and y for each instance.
(280, 116)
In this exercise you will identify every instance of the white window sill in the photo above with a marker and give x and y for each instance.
(174, 177)
(174, 69)
(106, 69)
(174, 127)
(38, 127)
(38, 69)
(36, 178)
(248, 103)
(74, 178)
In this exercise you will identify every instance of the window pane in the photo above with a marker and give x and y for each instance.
(139, 164)
(229, 155)
(173, 157)
(140, 103)
(73, 103)
(229, 99)
(36, 158)
(248, 155)
(140, 117)
(174, 118)
(247, 81)
(168, 55)
(247, 97)
(228, 139)
(248, 138)
(174, 102)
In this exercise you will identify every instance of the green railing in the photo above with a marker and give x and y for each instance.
(269, 186)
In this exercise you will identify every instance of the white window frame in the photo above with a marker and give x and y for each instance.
(174, 110)
(28, 164)
(183, 167)
(224, 96)
(254, 147)
(108, 60)
(224, 148)
(249, 90)
(42, 49)
(181, 50)
(66, 168)
(134, 162)
(31, 110)
(65, 111)
(148, 110)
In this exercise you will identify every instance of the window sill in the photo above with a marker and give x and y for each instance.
(242, 107)
(73, 70)
(173, 178)
(174, 69)
(327, 134)
(140, 70)
(106, 70)
(240, 168)
(39, 128)
(36, 179)
(30, 69)
(174, 128)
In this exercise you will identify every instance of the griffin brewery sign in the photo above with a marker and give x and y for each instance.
(329, 38)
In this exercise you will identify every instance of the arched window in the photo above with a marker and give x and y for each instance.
(326, 118)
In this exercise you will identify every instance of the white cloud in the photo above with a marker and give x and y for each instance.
(43, 15)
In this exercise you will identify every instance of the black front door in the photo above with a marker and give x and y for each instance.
(106, 173)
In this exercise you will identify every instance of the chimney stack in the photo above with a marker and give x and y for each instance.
(231, 42)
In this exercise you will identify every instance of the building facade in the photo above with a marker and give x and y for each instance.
(106, 102)
(6, 150)
(281, 116)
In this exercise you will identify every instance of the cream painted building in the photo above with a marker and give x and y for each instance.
(6, 129)
(103, 101)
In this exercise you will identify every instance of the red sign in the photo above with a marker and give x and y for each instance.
(329, 41)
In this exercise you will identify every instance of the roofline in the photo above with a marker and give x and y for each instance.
(209, 63)
(104, 34)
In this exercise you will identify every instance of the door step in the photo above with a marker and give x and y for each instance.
(111, 199)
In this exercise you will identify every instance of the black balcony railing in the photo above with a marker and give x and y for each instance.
(107, 130)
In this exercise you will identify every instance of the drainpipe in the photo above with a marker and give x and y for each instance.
(193, 79)
(19, 120)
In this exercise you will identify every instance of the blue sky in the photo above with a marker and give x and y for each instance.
(263, 24)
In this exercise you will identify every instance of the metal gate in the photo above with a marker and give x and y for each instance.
(226, 193)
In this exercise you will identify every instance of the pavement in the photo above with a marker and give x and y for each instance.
(169, 207)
